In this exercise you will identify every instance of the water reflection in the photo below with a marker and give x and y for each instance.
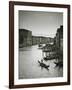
(30, 68)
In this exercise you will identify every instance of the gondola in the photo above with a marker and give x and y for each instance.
(43, 65)
(59, 63)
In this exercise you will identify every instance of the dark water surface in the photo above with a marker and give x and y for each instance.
(30, 68)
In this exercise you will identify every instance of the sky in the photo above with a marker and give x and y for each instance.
(40, 23)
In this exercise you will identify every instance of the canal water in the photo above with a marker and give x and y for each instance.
(30, 68)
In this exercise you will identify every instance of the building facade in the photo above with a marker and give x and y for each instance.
(58, 41)
(25, 38)
(40, 40)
